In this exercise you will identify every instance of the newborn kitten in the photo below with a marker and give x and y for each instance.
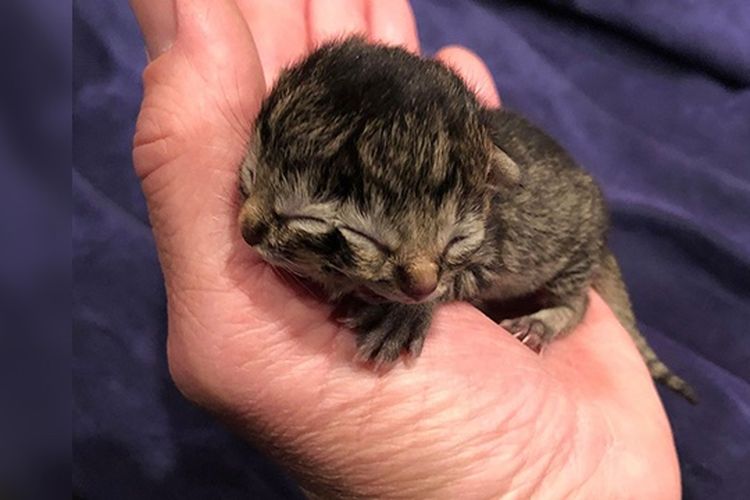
(379, 176)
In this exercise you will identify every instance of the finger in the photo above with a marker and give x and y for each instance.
(474, 72)
(330, 19)
(200, 98)
(158, 24)
(392, 22)
(279, 30)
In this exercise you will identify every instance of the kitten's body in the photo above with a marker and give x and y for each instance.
(378, 175)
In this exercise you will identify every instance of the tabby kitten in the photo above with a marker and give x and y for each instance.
(378, 175)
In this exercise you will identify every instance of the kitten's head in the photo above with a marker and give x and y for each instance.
(371, 170)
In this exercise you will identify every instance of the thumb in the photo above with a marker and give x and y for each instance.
(201, 92)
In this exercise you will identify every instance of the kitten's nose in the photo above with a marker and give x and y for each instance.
(252, 224)
(253, 233)
(419, 280)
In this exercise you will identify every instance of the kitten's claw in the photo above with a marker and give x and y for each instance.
(416, 342)
(532, 332)
(386, 330)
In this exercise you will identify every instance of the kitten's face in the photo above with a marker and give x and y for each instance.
(408, 256)
(372, 180)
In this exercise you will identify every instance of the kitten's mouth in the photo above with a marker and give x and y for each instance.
(371, 296)
(374, 297)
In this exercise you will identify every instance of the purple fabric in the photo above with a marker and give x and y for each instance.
(35, 250)
(652, 98)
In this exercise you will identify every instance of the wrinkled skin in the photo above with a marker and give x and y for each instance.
(478, 415)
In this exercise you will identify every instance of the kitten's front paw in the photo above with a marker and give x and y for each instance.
(536, 330)
(531, 331)
(385, 330)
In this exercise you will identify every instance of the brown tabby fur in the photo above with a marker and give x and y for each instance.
(378, 175)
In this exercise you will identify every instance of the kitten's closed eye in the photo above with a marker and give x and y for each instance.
(366, 248)
(461, 247)
(247, 171)
(307, 224)
(362, 239)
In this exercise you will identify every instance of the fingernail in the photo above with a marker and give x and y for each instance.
(158, 22)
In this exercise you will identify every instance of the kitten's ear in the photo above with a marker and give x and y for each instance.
(504, 171)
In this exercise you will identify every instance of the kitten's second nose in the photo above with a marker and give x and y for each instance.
(251, 222)
(253, 234)
(419, 280)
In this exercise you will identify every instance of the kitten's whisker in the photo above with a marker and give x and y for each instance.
(288, 276)
(336, 268)
(301, 283)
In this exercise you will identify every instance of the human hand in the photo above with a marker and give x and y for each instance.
(477, 415)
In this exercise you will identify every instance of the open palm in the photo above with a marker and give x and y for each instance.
(477, 415)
